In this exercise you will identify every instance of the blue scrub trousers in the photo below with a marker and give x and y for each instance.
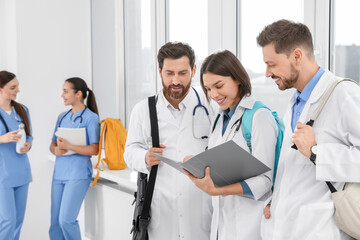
(66, 199)
(12, 211)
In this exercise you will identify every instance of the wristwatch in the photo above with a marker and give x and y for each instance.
(313, 153)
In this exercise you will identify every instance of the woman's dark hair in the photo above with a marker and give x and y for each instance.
(5, 78)
(225, 63)
(79, 84)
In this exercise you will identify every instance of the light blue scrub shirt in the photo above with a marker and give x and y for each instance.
(14, 167)
(76, 166)
(303, 97)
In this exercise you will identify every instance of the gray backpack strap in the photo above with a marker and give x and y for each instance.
(318, 110)
(326, 97)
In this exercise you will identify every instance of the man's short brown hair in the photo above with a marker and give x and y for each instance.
(176, 50)
(286, 36)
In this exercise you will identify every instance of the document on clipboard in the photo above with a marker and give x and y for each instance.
(228, 162)
(75, 136)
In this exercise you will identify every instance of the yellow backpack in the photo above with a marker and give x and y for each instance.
(114, 146)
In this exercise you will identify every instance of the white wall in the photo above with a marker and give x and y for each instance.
(53, 42)
(7, 35)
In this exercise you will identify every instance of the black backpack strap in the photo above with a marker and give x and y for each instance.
(155, 142)
(329, 184)
(3, 121)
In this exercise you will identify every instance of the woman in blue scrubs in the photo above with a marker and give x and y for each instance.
(72, 173)
(15, 173)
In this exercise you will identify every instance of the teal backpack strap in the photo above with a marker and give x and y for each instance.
(281, 129)
(246, 125)
(246, 128)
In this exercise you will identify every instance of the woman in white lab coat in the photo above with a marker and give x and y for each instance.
(237, 207)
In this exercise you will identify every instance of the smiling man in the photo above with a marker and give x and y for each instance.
(301, 206)
(179, 210)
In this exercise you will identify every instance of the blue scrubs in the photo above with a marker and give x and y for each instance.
(15, 176)
(72, 176)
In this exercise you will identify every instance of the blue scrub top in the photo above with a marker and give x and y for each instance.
(76, 166)
(14, 167)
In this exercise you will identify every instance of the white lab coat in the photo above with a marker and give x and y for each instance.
(179, 210)
(236, 216)
(302, 207)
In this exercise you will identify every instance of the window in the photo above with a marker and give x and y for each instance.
(346, 47)
(188, 22)
(253, 17)
(140, 53)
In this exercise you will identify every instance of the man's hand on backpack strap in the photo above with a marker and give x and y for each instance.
(150, 159)
(304, 138)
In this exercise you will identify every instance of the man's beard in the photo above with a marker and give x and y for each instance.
(288, 83)
(176, 95)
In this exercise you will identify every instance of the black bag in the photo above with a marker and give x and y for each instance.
(145, 188)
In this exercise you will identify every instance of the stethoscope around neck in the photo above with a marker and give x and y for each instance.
(3, 120)
(80, 116)
(199, 106)
(236, 124)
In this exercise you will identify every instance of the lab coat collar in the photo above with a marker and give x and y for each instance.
(306, 92)
(184, 103)
(320, 88)
(188, 103)
(247, 102)
(324, 83)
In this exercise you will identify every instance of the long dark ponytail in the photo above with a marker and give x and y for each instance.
(80, 85)
(6, 77)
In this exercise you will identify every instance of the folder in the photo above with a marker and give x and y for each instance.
(228, 162)
(75, 136)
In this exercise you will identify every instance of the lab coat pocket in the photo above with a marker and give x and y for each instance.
(248, 214)
(302, 160)
(316, 221)
(155, 211)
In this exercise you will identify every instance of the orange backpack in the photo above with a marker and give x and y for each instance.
(114, 146)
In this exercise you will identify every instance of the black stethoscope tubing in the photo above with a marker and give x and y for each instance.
(3, 120)
(199, 105)
(80, 116)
